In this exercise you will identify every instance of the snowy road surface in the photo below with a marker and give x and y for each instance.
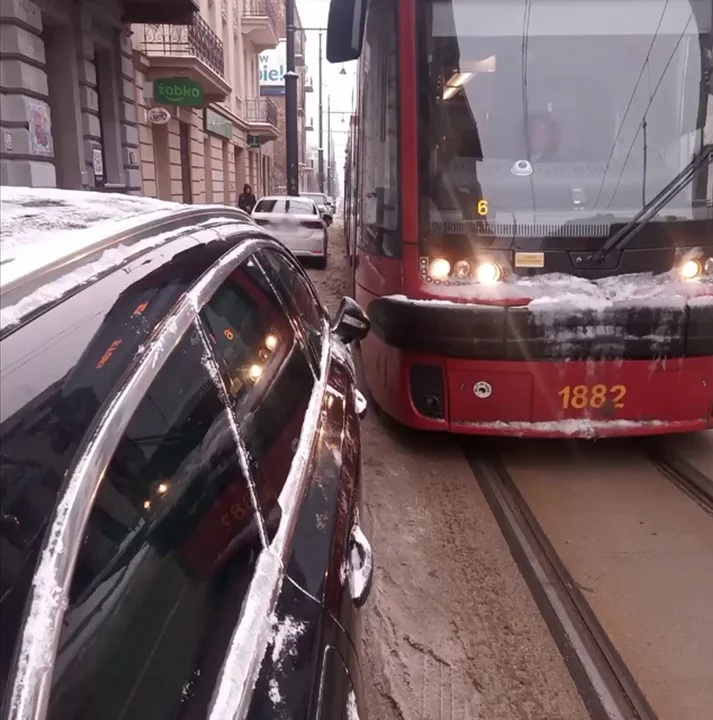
(451, 631)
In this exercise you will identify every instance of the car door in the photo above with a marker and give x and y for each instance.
(163, 567)
(321, 559)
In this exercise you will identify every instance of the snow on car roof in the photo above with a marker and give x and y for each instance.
(34, 219)
(41, 227)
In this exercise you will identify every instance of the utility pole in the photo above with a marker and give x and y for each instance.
(291, 147)
(329, 148)
(320, 148)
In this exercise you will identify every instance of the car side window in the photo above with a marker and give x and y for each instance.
(299, 295)
(167, 558)
(267, 370)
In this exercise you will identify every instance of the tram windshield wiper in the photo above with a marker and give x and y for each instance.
(639, 221)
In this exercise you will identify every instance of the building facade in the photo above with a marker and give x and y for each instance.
(68, 115)
(204, 130)
(272, 87)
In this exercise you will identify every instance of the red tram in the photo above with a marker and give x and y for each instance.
(530, 202)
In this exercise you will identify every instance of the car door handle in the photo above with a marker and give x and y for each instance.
(361, 404)
(361, 565)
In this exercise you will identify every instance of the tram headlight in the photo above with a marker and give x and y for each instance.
(271, 341)
(254, 372)
(488, 273)
(440, 268)
(462, 269)
(691, 269)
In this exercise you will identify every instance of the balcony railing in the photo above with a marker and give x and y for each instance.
(195, 40)
(260, 8)
(261, 110)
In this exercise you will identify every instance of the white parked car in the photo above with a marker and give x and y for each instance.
(323, 205)
(297, 223)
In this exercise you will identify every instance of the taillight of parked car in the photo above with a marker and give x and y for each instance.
(313, 224)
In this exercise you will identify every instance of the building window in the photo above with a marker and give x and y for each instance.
(109, 119)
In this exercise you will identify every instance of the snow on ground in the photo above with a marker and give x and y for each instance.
(32, 216)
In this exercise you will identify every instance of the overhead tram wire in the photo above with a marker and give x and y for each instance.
(631, 101)
(525, 99)
(646, 110)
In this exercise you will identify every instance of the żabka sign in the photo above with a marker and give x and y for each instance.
(178, 91)
(272, 70)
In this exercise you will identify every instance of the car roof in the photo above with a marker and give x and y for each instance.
(285, 197)
(55, 241)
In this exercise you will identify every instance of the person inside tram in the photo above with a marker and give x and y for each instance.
(246, 199)
(542, 138)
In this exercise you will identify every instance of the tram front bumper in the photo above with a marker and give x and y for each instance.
(507, 371)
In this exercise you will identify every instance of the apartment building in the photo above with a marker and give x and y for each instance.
(272, 87)
(68, 115)
(204, 129)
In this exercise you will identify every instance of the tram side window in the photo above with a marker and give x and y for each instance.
(380, 133)
(166, 561)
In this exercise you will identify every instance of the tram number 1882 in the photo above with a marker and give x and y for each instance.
(578, 397)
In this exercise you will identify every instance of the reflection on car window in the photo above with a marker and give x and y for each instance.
(289, 206)
(298, 295)
(265, 368)
(166, 561)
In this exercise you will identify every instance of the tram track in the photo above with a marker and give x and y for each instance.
(603, 680)
(605, 683)
(686, 477)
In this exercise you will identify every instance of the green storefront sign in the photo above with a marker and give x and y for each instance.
(217, 124)
(253, 141)
(178, 91)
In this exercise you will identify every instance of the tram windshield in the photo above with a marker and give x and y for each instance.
(536, 113)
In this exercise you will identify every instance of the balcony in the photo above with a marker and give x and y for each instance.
(260, 24)
(187, 51)
(262, 117)
(173, 12)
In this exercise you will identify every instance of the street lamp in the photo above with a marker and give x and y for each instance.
(320, 139)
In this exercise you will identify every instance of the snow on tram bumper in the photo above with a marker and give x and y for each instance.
(555, 356)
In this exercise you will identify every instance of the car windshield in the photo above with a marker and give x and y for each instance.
(286, 206)
(543, 112)
(317, 197)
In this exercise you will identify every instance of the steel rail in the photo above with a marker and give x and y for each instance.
(603, 680)
(688, 478)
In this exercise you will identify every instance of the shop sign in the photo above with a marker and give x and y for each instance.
(40, 127)
(272, 70)
(217, 124)
(178, 91)
(158, 115)
(98, 162)
(253, 141)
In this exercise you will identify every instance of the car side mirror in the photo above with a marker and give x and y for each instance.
(327, 219)
(351, 322)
